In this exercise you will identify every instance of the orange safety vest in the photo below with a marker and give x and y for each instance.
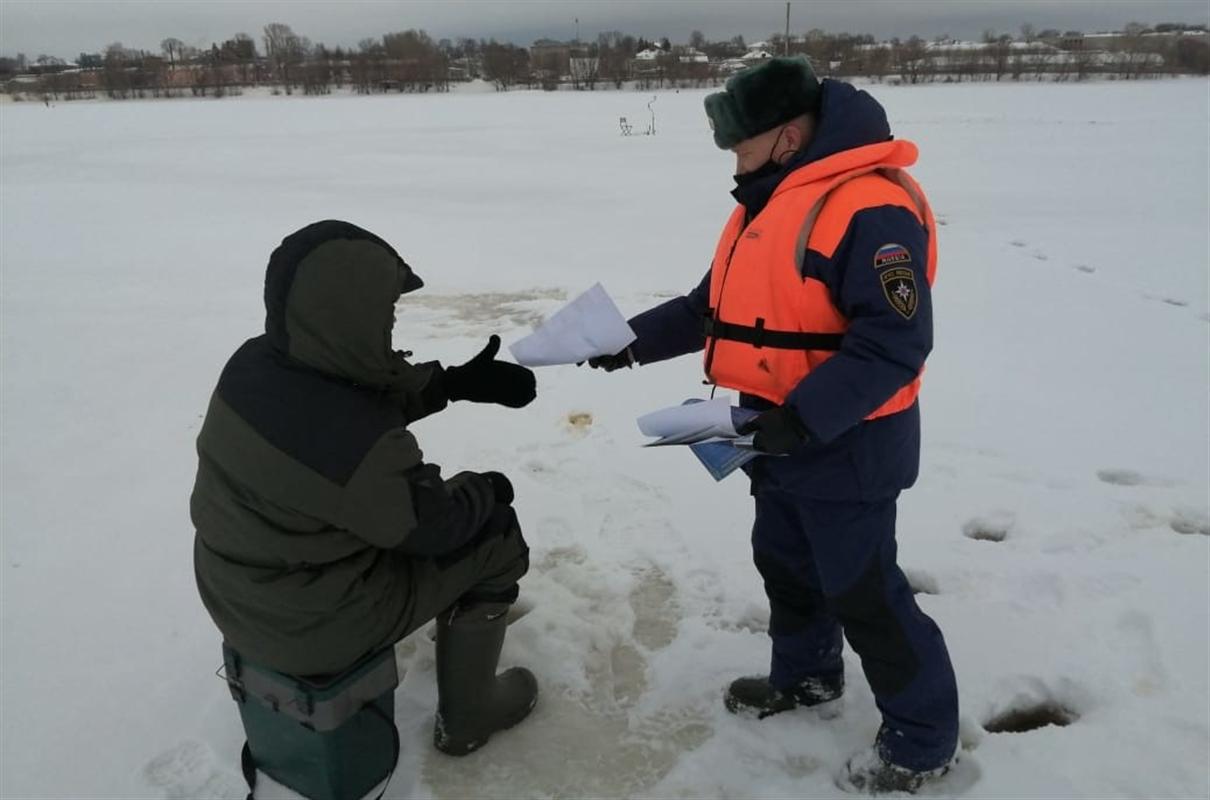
(769, 326)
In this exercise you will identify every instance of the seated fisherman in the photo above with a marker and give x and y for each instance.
(322, 533)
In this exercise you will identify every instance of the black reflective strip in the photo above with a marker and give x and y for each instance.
(707, 322)
(760, 336)
(248, 766)
(394, 744)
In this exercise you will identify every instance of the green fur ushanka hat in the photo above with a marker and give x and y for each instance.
(760, 98)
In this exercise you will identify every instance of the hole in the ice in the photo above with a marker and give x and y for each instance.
(1031, 718)
(580, 420)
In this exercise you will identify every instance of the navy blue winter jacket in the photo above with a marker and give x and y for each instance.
(847, 458)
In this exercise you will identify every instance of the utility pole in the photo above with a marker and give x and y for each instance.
(785, 45)
(577, 30)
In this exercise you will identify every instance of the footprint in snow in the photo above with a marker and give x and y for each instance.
(189, 771)
(1136, 635)
(1035, 253)
(598, 739)
(1129, 477)
(756, 620)
(922, 582)
(558, 557)
(656, 613)
(992, 527)
(1190, 521)
(656, 616)
(1183, 519)
(1120, 477)
(538, 468)
(1168, 301)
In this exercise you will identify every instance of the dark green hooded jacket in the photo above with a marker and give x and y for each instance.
(311, 498)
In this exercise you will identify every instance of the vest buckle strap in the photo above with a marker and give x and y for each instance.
(759, 336)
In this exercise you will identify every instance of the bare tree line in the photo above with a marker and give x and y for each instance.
(411, 61)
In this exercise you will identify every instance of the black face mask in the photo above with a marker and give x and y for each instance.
(770, 167)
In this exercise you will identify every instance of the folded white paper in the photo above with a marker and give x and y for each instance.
(705, 421)
(588, 326)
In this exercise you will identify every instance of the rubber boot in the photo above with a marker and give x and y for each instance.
(473, 702)
(755, 696)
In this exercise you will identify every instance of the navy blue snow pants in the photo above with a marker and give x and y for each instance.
(830, 567)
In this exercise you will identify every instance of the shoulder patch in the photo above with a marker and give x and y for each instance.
(891, 254)
(899, 286)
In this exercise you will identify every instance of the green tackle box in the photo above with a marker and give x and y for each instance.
(327, 738)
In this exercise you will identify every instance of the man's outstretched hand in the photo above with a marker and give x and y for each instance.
(615, 361)
(483, 379)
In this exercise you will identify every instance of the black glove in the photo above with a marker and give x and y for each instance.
(615, 361)
(778, 431)
(483, 379)
(502, 487)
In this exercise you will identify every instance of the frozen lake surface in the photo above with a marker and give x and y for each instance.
(1059, 533)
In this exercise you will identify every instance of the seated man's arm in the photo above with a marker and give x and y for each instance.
(419, 388)
(448, 513)
(395, 501)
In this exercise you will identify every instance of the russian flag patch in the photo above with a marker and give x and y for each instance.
(891, 254)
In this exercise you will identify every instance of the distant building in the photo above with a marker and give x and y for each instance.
(752, 56)
(731, 66)
(1071, 41)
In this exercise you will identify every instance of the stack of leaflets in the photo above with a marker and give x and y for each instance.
(709, 428)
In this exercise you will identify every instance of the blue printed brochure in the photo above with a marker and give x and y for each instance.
(709, 428)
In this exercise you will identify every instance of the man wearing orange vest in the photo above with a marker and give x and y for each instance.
(817, 309)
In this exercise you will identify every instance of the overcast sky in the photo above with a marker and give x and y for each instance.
(66, 28)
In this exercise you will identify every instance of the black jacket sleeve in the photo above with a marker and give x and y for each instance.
(419, 388)
(448, 513)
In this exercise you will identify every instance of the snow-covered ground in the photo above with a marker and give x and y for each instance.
(1059, 532)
